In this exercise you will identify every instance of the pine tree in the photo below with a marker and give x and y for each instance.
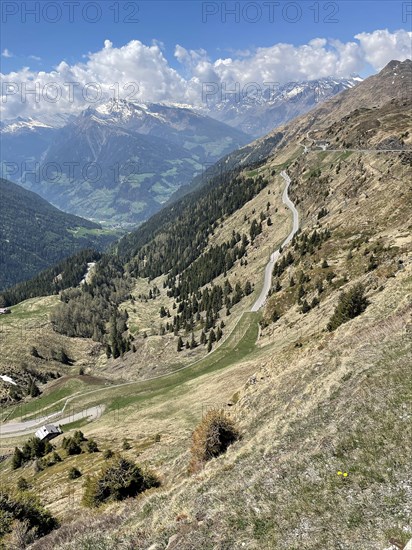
(350, 305)
(33, 389)
(248, 288)
(275, 316)
(180, 344)
(17, 460)
(193, 343)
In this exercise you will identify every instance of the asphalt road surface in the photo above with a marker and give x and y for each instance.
(275, 255)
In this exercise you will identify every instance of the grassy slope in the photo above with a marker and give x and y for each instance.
(342, 402)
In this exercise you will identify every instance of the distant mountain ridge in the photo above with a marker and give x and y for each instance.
(145, 152)
(257, 111)
(117, 162)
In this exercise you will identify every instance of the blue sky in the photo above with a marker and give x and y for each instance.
(192, 24)
(170, 51)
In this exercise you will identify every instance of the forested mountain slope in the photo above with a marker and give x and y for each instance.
(34, 234)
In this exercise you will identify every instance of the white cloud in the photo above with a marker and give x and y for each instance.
(6, 53)
(142, 73)
(35, 57)
(134, 71)
(381, 46)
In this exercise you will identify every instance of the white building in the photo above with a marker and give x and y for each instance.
(48, 431)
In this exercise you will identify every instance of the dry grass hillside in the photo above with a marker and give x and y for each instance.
(323, 461)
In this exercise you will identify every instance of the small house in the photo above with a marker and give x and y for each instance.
(4, 310)
(48, 431)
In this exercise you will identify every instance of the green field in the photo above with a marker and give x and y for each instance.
(239, 345)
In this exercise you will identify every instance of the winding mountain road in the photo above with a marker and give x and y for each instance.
(275, 255)
(26, 427)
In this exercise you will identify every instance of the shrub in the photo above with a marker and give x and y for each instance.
(108, 453)
(92, 446)
(126, 445)
(119, 480)
(24, 507)
(71, 446)
(351, 304)
(33, 390)
(56, 457)
(78, 437)
(34, 352)
(74, 473)
(212, 437)
(17, 460)
(22, 484)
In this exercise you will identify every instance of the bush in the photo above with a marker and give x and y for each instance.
(33, 390)
(108, 453)
(92, 446)
(74, 473)
(24, 507)
(78, 437)
(119, 480)
(22, 484)
(17, 459)
(71, 446)
(212, 437)
(126, 445)
(56, 457)
(350, 305)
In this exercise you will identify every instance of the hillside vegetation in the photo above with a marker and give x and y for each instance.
(292, 429)
(35, 235)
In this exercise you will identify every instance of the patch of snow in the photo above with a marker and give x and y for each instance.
(90, 266)
(8, 379)
(28, 124)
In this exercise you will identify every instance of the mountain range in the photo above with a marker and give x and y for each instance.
(120, 162)
(257, 110)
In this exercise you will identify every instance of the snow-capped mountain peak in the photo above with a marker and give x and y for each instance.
(15, 125)
(257, 112)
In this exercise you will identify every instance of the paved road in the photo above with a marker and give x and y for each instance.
(29, 426)
(275, 255)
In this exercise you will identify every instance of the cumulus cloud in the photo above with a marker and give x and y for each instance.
(140, 72)
(6, 53)
(380, 47)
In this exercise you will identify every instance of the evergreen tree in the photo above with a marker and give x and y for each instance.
(351, 304)
(17, 460)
